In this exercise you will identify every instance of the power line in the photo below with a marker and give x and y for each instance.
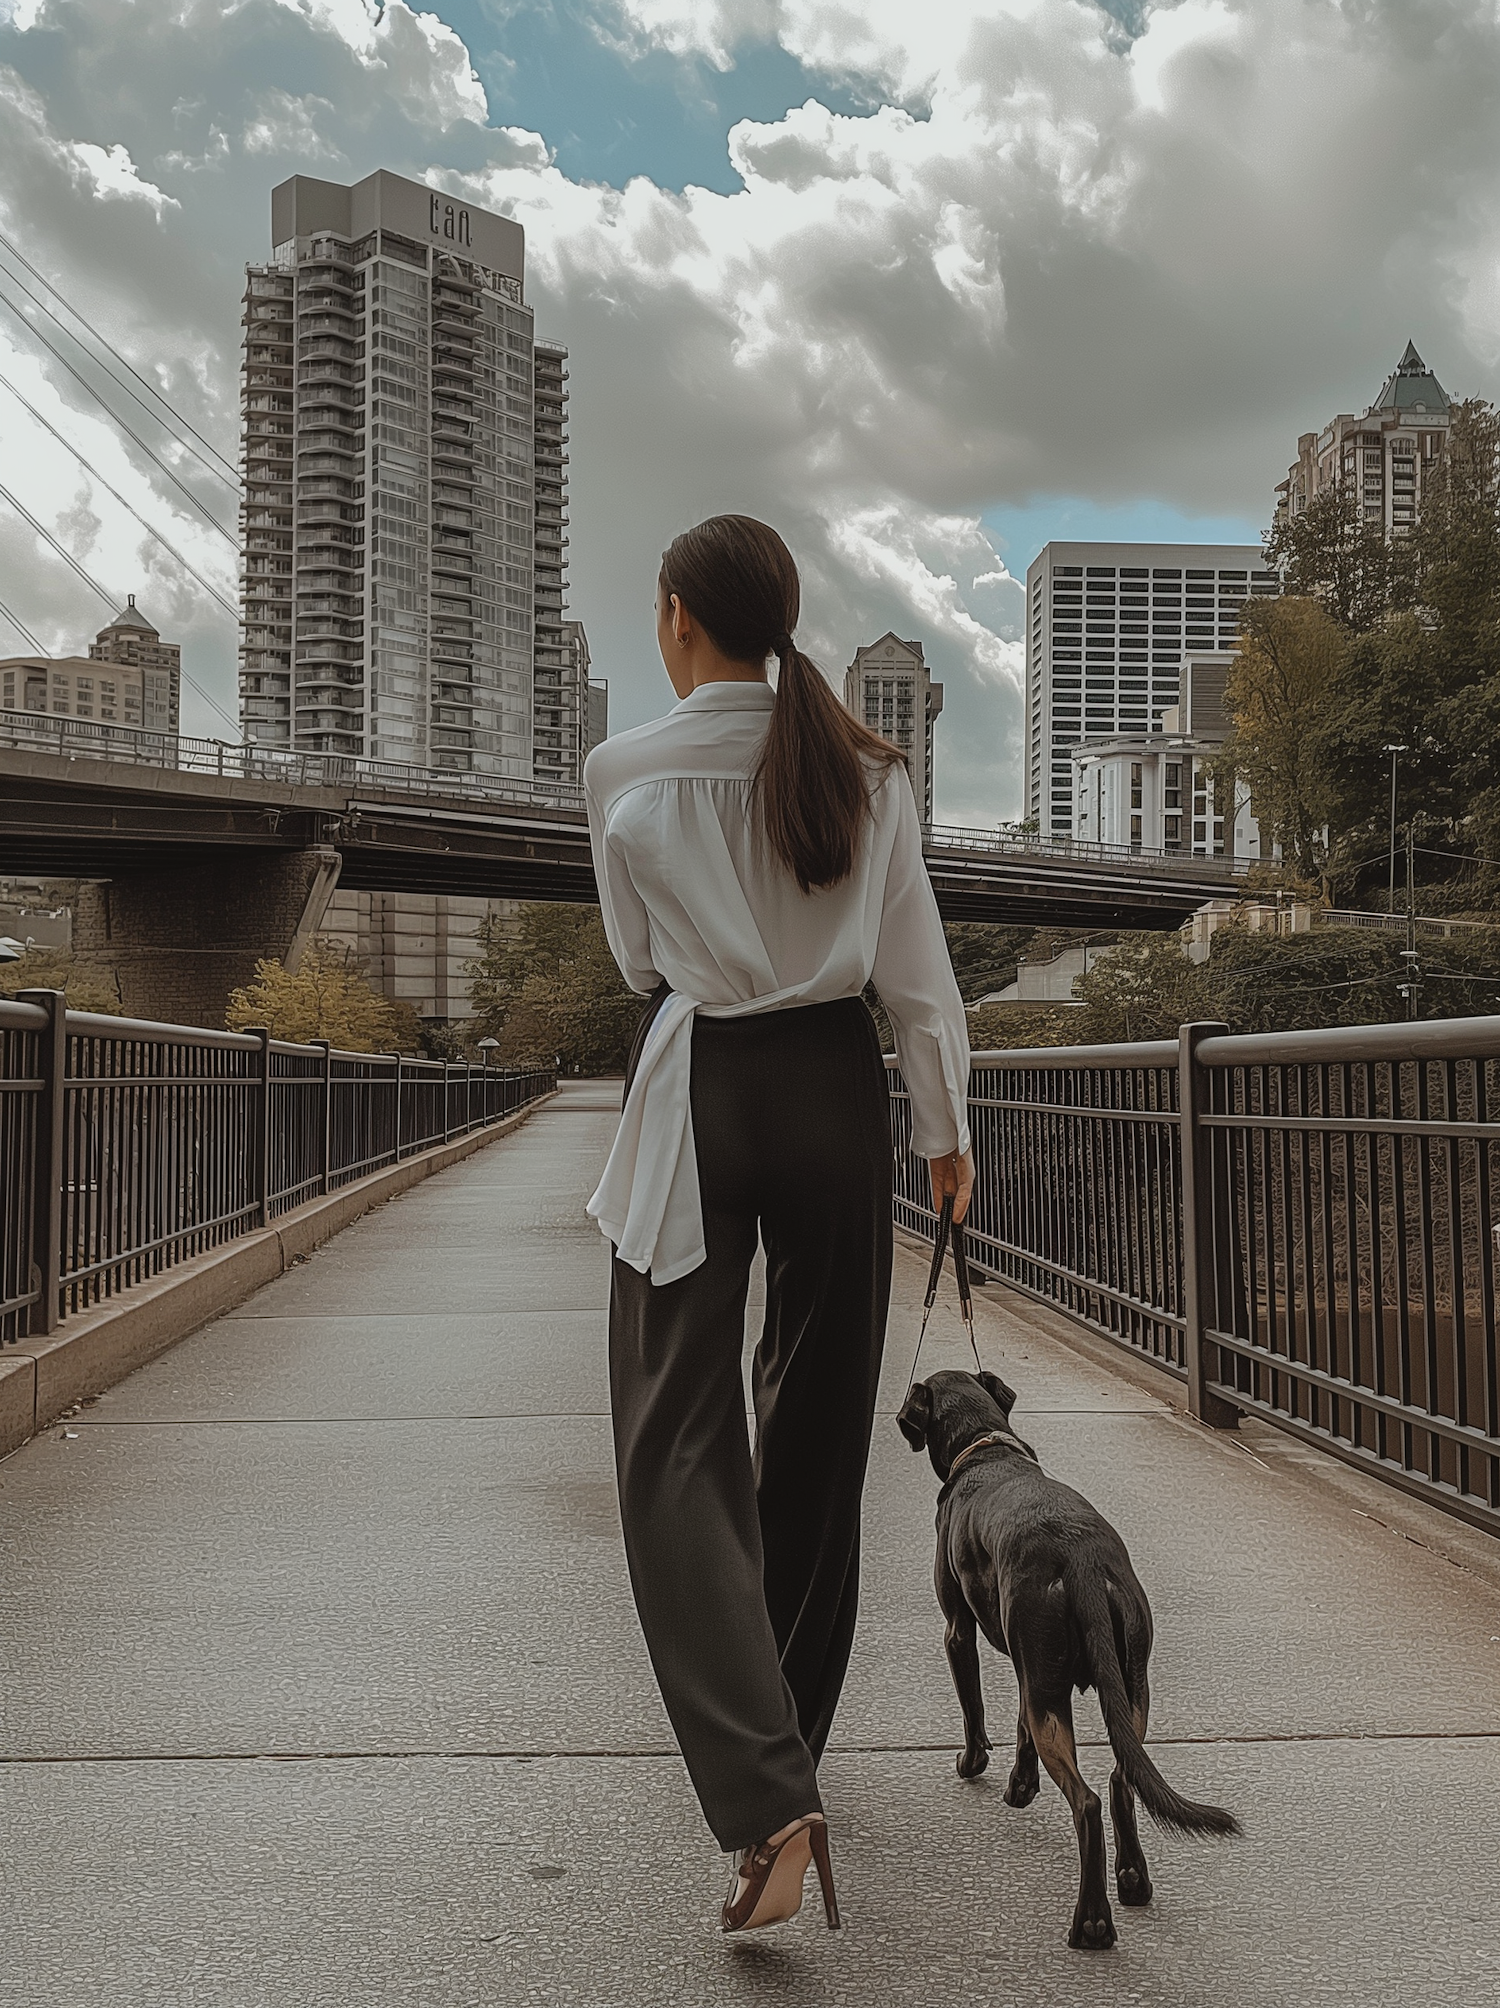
(22, 630)
(61, 550)
(176, 416)
(94, 586)
(212, 590)
(155, 458)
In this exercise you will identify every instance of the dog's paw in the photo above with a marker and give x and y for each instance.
(1093, 1930)
(972, 1760)
(1022, 1787)
(1133, 1885)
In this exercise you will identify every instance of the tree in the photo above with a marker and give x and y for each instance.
(1282, 695)
(1333, 554)
(330, 998)
(55, 969)
(1145, 988)
(547, 987)
(1349, 976)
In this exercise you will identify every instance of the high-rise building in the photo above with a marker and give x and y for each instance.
(130, 678)
(887, 686)
(392, 533)
(130, 642)
(1108, 628)
(1386, 456)
(1162, 790)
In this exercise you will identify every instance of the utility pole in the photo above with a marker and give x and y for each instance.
(1395, 753)
(1409, 956)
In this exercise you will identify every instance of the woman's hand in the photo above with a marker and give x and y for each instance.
(953, 1174)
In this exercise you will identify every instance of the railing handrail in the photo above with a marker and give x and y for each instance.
(131, 1146)
(16, 1017)
(1425, 1039)
(1299, 1226)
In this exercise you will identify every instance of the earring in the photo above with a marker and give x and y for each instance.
(682, 641)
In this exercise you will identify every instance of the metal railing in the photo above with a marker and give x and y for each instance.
(1300, 1226)
(1083, 850)
(82, 738)
(126, 1148)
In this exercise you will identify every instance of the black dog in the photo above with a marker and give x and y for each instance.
(1048, 1581)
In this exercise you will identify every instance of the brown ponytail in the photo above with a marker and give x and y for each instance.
(812, 785)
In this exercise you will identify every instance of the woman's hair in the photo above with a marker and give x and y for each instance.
(812, 784)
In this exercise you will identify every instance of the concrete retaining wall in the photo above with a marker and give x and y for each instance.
(45, 1376)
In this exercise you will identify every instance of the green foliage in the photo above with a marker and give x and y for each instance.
(330, 998)
(1283, 693)
(1145, 989)
(984, 956)
(1332, 554)
(1414, 661)
(546, 986)
(1348, 976)
(1003, 1028)
(55, 969)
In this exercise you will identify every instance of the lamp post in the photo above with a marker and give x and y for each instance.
(486, 1047)
(1395, 753)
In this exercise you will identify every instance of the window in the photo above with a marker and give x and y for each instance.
(1172, 833)
(1135, 785)
(1135, 833)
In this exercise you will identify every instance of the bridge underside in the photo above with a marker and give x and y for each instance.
(93, 819)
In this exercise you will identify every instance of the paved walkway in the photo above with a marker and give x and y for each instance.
(321, 1685)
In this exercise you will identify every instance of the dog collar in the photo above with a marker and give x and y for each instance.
(979, 1443)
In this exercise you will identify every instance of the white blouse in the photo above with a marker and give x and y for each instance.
(690, 895)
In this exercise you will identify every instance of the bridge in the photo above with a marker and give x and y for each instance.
(217, 855)
(324, 1682)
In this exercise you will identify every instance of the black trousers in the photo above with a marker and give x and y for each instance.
(746, 1568)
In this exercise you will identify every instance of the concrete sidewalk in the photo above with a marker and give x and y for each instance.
(322, 1687)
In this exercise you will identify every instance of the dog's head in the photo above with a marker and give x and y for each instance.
(946, 1412)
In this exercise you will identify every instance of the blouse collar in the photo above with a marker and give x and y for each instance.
(728, 696)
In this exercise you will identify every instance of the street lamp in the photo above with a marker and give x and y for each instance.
(488, 1046)
(1395, 753)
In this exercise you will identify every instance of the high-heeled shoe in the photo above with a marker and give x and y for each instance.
(768, 1879)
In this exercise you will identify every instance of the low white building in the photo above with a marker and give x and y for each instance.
(1157, 791)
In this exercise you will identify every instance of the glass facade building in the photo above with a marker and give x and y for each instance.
(390, 527)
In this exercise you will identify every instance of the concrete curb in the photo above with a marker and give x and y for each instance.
(92, 1352)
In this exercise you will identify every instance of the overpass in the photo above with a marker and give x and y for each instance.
(214, 855)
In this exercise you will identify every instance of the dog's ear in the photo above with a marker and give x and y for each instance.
(994, 1386)
(915, 1418)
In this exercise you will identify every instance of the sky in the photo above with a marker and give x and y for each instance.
(922, 285)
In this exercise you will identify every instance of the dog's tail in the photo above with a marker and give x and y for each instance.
(1101, 1642)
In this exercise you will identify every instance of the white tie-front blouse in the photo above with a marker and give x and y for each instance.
(691, 894)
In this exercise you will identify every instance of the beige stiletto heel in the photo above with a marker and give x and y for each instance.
(773, 1878)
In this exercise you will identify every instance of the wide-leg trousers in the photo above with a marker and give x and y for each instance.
(745, 1566)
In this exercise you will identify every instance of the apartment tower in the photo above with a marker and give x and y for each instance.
(887, 686)
(1109, 627)
(1387, 455)
(405, 483)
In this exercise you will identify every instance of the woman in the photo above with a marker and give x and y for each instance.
(759, 860)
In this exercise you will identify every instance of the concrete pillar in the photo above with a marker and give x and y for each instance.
(177, 940)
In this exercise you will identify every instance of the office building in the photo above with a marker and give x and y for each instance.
(1108, 629)
(405, 482)
(414, 947)
(1387, 455)
(130, 677)
(888, 687)
(1158, 791)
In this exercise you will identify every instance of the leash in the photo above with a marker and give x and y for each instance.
(948, 1229)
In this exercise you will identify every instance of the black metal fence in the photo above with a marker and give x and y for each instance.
(1301, 1226)
(126, 1148)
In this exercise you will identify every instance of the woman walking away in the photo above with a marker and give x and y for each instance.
(759, 860)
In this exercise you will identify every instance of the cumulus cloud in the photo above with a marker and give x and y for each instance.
(1051, 258)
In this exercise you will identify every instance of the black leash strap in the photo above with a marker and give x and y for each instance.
(948, 1229)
